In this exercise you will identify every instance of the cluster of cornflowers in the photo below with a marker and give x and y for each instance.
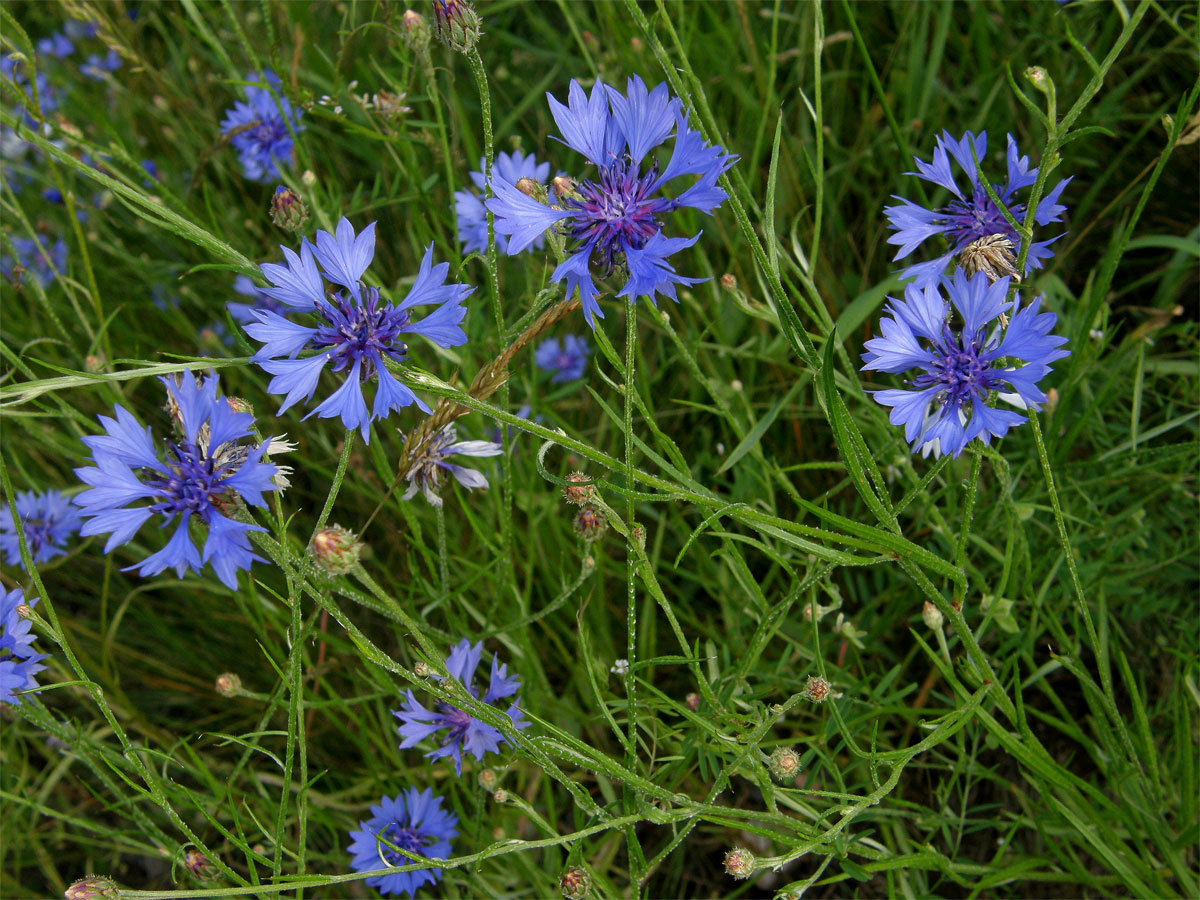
(958, 326)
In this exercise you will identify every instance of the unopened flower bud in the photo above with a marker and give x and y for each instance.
(417, 33)
(1039, 78)
(94, 887)
(238, 405)
(1168, 122)
(729, 281)
(457, 24)
(1051, 400)
(199, 865)
(932, 616)
(739, 863)
(590, 524)
(574, 883)
(336, 550)
(488, 779)
(692, 701)
(638, 533)
(288, 211)
(816, 689)
(527, 186)
(308, 178)
(577, 490)
(228, 684)
(501, 796)
(563, 186)
(422, 669)
(24, 610)
(93, 363)
(784, 763)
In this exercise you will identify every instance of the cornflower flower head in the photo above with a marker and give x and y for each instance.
(41, 261)
(972, 216)
(962, 362)
(57, 45)
(244, 312)
(198, 476)
(567, 360)
(48, 520)
(19, 662)
(463, 732)
(413, 821)
(263, 137)
(469, 208)
(426, 471)
(616, 217)
(354, 330)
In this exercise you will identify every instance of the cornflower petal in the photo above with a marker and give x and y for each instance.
(519, 218)
(345, 257)
(296, 378)
(297, 284)
(584, 121)
(347, 401)
(644, 117)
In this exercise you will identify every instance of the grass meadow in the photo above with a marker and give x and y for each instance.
(776, 652)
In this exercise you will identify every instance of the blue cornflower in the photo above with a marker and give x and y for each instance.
(968, 218)
(414, 821)
(95, 66)
(616, 218)
(244, 312)
(425, 472)
(33, 260)
(265, 139)
(468, 205)
(48, 520)
(962, 365)
(463, 732)
(355, 329)
(18, 661)
(566, 360)
(78, 28)
(57, 45)
(199, 475)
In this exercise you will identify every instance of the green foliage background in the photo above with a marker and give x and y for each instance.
(1042, 744)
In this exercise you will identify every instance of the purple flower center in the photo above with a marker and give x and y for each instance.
(980, 217)
(405, 837)
(270, 130)
(456, 721)
(616, 213)
(964, 370)
(39, 532)
(362, 333)
(194, 482)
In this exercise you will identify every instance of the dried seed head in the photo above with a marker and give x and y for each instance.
(816, 689)
(590, 524)
(784, 763)
(577, 490)
(993, 255)
(932, 615)
(228, 684)
(739, 863)
(574, 883)
(336, 550)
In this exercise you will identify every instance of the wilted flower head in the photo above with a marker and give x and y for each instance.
(962, 365)
(616, 217)
(200, 475)
(18, 660)
(969, 217)
(262, 137)
(425, 473)
(463, 731)
(355, 329)
(468, 205)
(566, 359)
(48, 521)
(415, 822)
